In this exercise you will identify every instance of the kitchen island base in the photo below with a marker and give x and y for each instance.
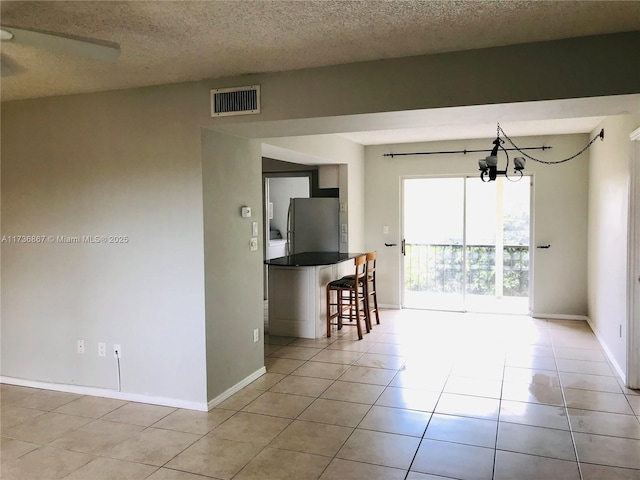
(297, 292)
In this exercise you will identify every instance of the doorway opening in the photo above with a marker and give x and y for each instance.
(467, 244)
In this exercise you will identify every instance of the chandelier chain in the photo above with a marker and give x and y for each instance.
(500, 130)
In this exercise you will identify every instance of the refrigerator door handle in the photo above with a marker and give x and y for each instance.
(289, 251)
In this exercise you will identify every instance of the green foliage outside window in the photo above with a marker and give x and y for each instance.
(439, 269)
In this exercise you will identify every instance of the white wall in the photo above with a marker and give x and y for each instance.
(608, 218)
(281, 191)
(104, 164)
(560, 214)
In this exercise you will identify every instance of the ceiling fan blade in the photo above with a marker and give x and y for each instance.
(66, 44)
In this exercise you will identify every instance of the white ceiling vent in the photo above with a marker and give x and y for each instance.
(235, 101)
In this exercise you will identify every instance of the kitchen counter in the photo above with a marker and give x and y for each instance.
(297, 291)
(312, 259)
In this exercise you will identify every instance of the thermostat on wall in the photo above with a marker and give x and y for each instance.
(246, 212)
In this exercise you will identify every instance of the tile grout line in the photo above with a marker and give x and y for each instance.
(495, 445)
(428, 423)
(318, 397)
(566, 408)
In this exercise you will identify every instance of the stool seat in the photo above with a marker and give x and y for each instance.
(347, 281)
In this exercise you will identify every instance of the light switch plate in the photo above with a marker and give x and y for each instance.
(254, 229)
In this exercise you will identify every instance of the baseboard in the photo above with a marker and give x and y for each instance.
(106, 393)
(237, 387)
(560, 316)
(389, 306)
(608, 353)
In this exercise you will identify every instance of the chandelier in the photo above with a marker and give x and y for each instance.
(489, 165)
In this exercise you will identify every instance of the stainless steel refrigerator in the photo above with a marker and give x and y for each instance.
(313, 225)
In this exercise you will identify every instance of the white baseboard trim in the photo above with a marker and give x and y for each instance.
(560, 316)
(237, 387)
(389, 306)
(608, 353)
(106, 393)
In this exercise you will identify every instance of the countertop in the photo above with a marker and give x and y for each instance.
(311, 259)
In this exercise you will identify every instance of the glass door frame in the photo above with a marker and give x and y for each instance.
(464, 177)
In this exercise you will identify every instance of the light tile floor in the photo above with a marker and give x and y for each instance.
(425, 396)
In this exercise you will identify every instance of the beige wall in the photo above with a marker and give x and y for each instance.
(131, 162)
(559, 209)
(232, 178)
(104, 164)
(608, 219)
(546, 71)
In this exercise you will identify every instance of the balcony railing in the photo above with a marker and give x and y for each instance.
(438, 268)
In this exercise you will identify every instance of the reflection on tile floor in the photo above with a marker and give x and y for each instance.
(425, 395)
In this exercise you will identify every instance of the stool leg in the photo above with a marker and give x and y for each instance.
(375, 303)
(365, 294)
(365, 310)
(340, 312)
(356, 303)
(328, 312)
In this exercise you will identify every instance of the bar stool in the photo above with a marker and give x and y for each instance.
(350, 297)
(369, 290)
(370, 287)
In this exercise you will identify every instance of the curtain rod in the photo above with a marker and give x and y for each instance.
(465, 151)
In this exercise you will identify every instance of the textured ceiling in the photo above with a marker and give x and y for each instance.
(167, 42)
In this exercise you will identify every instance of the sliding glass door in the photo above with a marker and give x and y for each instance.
(466, 244)
(433, 243)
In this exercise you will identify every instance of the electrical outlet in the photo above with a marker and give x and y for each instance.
(343, 238)
(385, 230)
(102, 349)
(117, 350)
(253, 244)
(80, 346)
(256, 335)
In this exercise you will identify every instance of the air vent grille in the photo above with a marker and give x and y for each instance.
(235, 101)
